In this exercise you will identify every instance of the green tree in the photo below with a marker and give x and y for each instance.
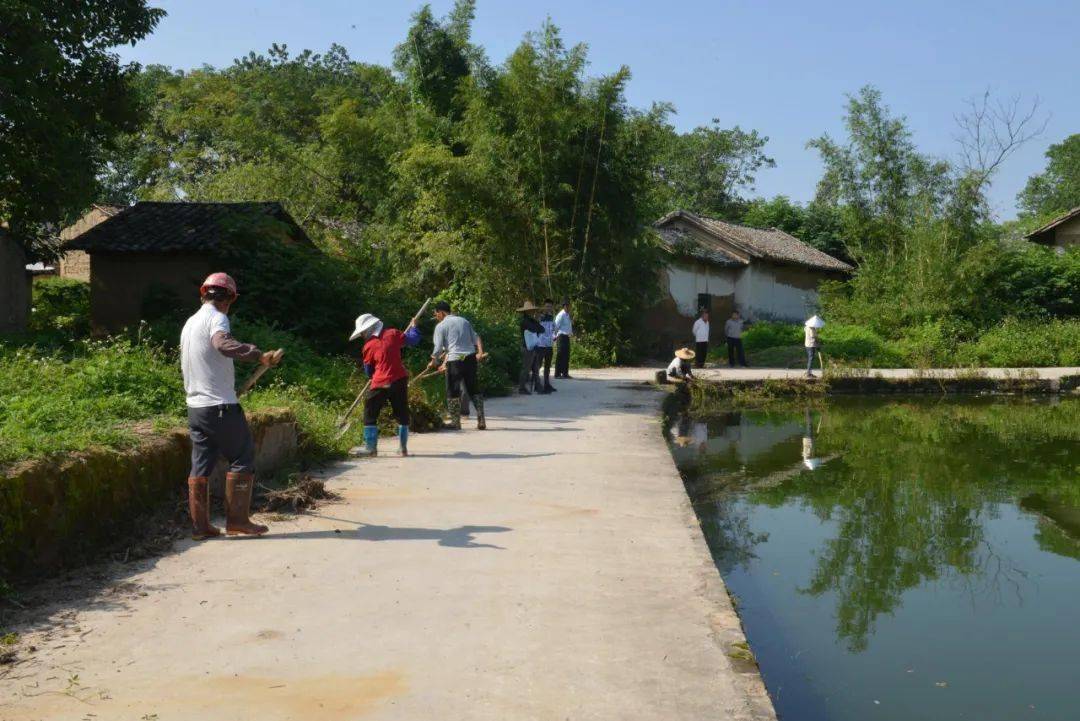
(434, 60)
(818, 224)
(1056, 189)
(878, 177)
(706, 170)
(64, 98)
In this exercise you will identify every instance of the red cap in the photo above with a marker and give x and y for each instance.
(219, 280)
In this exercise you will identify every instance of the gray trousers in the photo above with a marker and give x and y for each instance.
(810, 359)
(220, 431)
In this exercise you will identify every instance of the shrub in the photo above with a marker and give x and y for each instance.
(1019, 343)
(771, 334)
(924, 346)
(857, 343)
(61, 305)
(587, 352)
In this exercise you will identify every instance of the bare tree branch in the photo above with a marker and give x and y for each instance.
(992, 129)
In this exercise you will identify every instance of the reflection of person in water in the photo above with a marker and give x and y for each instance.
(700, 434)
(808, 458)
(681, 432)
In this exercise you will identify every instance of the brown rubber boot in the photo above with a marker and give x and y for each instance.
(199, 508)
(238, 488)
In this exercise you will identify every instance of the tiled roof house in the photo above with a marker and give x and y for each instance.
(764, 273)
(164, 247)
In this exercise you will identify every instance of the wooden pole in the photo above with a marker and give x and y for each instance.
(250, 382)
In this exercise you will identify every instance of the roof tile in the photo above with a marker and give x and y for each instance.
(768, 243)
(161, 227)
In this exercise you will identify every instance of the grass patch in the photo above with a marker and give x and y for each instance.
(934, 344)
(58, 398)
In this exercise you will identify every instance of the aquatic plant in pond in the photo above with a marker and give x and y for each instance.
(879, 547)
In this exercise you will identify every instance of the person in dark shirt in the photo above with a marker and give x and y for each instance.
(531, 330)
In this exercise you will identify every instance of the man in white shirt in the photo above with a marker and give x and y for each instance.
(564, 328)
(216, 421)
(701, 338)
(811, 340)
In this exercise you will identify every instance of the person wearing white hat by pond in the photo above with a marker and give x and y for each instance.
(812, 342)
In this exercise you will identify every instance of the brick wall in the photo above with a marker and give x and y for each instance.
(75, 264)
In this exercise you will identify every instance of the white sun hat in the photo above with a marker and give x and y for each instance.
(815, 322)
(366, 324)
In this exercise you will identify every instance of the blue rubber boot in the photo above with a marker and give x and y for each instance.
(371, 443)
(403, 439)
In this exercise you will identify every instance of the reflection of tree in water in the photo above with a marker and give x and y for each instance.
(728, 533)
(1059, 521)
(892, 537)
(916, 483)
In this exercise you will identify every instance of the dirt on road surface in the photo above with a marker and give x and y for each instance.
(548, 568)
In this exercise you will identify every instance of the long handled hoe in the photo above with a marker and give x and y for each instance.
(250, 382)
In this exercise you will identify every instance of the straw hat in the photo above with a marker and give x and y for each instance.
(526, 307)
(685, 354)
(815, 322)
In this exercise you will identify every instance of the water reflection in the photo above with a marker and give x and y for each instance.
(866, 506)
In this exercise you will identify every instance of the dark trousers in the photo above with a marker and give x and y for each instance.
(546, 354)
(528, 358)
(461, 373)
(702, 351)
(562, 356)
(397, 394)
(220, 431)
(734, 345)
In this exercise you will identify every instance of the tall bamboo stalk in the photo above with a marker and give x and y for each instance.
(543, 209)
(577, 187)
(592, 193)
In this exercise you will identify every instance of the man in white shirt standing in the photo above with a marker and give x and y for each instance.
(701, 338)
(215, 419)
(733, 330)
(564, 328)
(811, 339)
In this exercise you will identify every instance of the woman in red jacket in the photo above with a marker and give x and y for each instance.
(381, 359)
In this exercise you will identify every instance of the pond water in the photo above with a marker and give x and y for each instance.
(899, 559)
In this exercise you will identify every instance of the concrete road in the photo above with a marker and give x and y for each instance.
(548, 568)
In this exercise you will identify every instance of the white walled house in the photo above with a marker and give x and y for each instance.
(1060, 233)
(765, 274)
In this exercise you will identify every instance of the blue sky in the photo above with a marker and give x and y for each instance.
(781, 68)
